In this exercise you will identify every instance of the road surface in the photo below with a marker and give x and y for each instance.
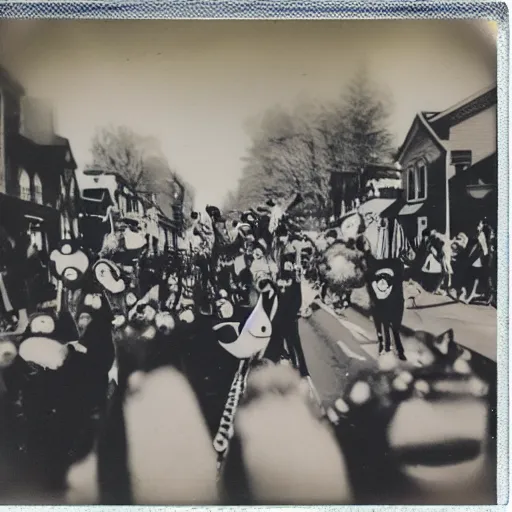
(336, 349)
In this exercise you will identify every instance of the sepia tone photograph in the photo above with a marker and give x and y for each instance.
(248, 262)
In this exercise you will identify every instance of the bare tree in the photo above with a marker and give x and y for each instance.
(140, 162)
(120, 150)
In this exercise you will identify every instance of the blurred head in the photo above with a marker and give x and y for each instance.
(257, 253)
(83, 322)
(352, 226)
(289, 455)
(331, 236)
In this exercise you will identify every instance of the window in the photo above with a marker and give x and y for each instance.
(122, 204)
(24, 182)
(62, 188)
(38, 189)
(94, 194)
(421, 180)
(411, 184)
(417, 181)
(72, 190)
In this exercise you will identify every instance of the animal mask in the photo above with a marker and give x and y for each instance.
(69, 263)
(108, 276)
(429, 420)
(385, 278)
(383, 282)
(284, 283)
(251, 339)
(44, 343)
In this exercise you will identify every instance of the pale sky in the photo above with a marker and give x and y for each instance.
(195, 84)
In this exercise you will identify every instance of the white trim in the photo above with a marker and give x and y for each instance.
(431, 131)
(411, 134)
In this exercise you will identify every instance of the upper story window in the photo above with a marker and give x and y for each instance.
(24, 183)
(417, 181)
(411, 184)
(38, 189)
(72, 190)
(122, 204)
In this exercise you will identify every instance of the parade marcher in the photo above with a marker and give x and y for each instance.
(285, 338)
(262, 266)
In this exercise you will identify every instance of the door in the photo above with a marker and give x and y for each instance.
(422, 226)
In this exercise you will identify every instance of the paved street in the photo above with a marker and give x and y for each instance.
(337, 348)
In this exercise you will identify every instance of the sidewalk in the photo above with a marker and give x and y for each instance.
(475, 327)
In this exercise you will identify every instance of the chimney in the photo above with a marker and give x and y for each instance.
(38, 123)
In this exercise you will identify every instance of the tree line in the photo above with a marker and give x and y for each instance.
(139, 160)
(297, 151)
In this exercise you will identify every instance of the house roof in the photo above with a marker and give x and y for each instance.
(59, 150)
(434, 122)
(469, 106)
(7, 79)
(420, 121)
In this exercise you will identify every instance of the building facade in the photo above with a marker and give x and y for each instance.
(35, 168)
(449, 169)
(101, 192)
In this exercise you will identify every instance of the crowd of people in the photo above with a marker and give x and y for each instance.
(122, 327)
(463, 268)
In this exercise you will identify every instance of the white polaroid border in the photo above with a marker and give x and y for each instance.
(343, 10)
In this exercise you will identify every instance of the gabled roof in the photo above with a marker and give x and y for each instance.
(420, 121)
(475, 103)
(465, 109)
(435, 123)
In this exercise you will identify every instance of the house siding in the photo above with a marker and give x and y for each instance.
(478, 134)
(422, 147)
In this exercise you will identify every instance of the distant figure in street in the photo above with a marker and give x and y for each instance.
(262, 267)
(479, 272)
(385, 288)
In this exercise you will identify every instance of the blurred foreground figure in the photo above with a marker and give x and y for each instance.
(170, 457)
(282, 451)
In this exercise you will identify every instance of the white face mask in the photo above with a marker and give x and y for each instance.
(134, 240)
(381, 286)
(105, 277)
